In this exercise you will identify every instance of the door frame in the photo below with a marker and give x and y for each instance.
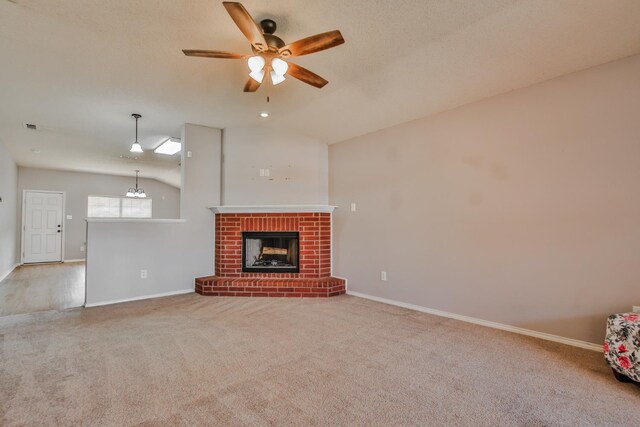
(24, 217)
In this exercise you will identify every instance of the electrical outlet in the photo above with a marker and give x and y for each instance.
(69, 216)
(383, 275)
(353, 207)
(189, 154)
(81, 248)
(143, 274)
(636, 308)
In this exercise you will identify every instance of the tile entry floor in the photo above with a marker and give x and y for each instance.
(42, 287)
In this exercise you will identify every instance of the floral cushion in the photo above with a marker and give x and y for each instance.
(622, 344)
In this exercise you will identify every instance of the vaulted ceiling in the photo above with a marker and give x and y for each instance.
(79, 68)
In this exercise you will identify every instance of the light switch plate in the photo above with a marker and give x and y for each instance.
(383, 275)
(69, 216)
(353, 207)
(143, 274)
(636, 308)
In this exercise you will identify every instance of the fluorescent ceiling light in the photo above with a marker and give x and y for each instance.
(170, 147)
(264, 115)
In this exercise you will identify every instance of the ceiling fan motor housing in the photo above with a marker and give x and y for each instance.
(274, 43)
(268, 26)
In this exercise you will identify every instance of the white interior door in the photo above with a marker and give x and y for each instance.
(42, 228)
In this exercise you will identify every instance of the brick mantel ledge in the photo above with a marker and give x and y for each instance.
(265, 209)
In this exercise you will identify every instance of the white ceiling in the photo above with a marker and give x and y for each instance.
(79, 68)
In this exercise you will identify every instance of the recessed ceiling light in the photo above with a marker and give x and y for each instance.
(264, 114)
(170, 147)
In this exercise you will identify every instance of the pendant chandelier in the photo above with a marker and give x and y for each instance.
(136, 192)
(136, 147)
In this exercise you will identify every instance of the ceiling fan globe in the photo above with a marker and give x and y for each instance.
(279, 66)
(256, 63)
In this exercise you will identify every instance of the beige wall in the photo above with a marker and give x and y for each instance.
(79, 185)
(8, 211)
(298, 168)
(522, 209)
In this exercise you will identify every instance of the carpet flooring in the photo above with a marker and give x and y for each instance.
(192, 360)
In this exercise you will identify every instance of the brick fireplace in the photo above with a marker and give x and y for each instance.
(242, 271)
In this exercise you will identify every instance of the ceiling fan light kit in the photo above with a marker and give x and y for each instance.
(276, 78)
(279, 66)
(258, 76)
(256, 63)
(269, 51)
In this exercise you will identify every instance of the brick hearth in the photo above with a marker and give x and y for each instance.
(314, 278)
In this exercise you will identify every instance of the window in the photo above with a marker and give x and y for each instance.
(136, 208)
(118, 207)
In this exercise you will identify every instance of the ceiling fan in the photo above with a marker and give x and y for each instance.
(270, 52)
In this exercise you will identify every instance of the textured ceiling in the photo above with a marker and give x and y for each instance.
(79, 68)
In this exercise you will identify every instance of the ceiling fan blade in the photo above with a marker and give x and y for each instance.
(312, 44)
(306, 76)
(213, 54)
(247, 25)
(251, 85)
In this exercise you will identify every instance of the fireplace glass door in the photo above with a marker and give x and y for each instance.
(270, 252)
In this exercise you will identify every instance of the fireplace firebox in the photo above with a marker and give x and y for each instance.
(270, 252)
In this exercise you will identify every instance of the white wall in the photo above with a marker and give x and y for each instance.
(173, 253)
(521, 209)
(117, 251)
(8, 211)
(201, 176)
(79, 185)
(298, 168)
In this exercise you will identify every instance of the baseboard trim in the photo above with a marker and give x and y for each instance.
(75, 260)
(118, 301)
(487, 323)
(5, 275)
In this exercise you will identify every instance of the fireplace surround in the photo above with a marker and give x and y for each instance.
(272, 251)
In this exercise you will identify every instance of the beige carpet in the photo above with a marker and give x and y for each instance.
(192, 360)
